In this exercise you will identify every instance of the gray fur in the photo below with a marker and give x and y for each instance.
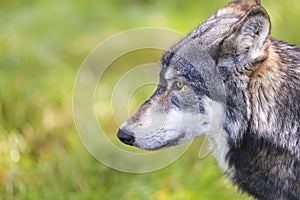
(261, 85)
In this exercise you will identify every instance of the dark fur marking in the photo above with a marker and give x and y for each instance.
(255, 156)
(166, 59)
(185, 69)
(175, 101)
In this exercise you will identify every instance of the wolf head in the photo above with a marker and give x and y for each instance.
(185, 104)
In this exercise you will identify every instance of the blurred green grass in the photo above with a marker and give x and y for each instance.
(42, 44)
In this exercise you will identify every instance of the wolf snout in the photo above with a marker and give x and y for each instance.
(126, 137)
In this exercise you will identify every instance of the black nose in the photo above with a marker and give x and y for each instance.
(126, 137)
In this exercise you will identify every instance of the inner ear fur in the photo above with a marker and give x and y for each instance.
(250, 35)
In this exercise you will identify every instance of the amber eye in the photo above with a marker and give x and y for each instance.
(179, 85)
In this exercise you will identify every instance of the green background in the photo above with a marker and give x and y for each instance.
(42, 45)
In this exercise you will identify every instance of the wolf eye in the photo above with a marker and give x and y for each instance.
(179, 85)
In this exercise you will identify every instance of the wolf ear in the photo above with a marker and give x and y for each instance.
(249, 37)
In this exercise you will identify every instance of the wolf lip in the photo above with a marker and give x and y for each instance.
(126, 137)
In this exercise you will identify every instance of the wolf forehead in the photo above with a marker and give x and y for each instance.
(181, 65)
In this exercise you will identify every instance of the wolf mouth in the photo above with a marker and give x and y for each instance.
(129, 139)
(169, 143)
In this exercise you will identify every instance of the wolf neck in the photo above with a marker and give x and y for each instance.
(250, 97)
(254, 102)
(237, 115)
(246, 106)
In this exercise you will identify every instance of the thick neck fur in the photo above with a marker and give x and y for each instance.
(268, 97)
(274, 88)
(263, 123)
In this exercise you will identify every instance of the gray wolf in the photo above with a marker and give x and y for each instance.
(258, 121)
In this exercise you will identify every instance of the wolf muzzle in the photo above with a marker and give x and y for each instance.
(126, 137)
